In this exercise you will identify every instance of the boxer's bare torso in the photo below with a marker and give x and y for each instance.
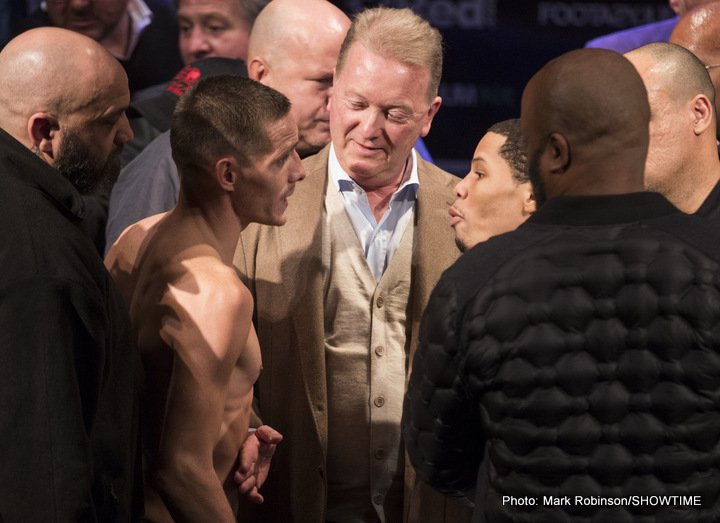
(200, 355)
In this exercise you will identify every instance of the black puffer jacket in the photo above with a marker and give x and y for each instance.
(570, 371)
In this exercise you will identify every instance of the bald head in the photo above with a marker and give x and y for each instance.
(306, 23)
(64, 96)
(682, 155)
(52, 70)
(294, 47)
(672, 68)
(578, 128)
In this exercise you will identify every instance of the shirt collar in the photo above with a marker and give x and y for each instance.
(32, 171)
(140, 17)
(343, 182)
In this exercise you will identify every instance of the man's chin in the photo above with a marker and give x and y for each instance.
(307, 147)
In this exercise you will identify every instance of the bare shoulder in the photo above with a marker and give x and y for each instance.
(126, 250)
(207, 306)
(218, 284)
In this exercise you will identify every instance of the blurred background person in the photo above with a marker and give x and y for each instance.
(634, 37)
(208, 29)
(698, 31)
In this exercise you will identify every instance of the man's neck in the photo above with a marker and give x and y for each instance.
(217, 225)
(690, 200)
(379, 197)
(696, 183)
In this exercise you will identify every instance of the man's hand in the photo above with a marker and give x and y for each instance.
(254, 461)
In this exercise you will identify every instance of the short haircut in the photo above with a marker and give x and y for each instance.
(250, 9)
(401, 35)
(514, 150)
(223, 115)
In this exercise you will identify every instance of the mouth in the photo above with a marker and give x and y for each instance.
(455, 216)
(81, 23)
(284, 198)
(367, 149)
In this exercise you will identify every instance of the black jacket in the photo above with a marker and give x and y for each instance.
(68, 409)
(577, 356)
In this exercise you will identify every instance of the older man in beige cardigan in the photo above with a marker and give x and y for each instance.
(340, 289)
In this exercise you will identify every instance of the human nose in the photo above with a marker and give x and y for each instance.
(370, 122)
(198, 45)
(297, 173)
(461, 187)
(125, 132)
(79, 5)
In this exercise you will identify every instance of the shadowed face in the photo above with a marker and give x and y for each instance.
(212, 28)
(92, 139)
(93, 18)
(304, 73)
(266, 183)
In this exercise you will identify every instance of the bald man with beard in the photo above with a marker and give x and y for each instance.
(68, 409)
(576, 359)
(682, 162)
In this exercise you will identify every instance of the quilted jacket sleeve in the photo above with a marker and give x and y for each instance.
(441, 423)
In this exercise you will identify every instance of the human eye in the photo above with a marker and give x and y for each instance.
(397, 116)
(281, 160)
(479, 174)
(355, 105)
(215, 27)
(111, 119)
(324, 82)
(185, 28)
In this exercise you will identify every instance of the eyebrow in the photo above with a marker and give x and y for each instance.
(117, 112)
(287, 150)
(204, 17)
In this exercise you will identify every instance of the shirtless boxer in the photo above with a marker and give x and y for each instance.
(191, 313)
